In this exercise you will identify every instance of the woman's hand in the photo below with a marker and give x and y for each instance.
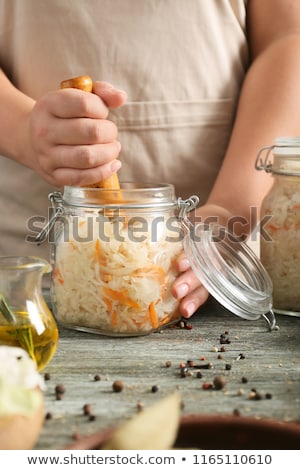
(73, 143)
(188, 289)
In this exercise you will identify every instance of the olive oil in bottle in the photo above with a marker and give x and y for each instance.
(25, 319)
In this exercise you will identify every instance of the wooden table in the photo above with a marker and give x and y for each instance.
(255, 358)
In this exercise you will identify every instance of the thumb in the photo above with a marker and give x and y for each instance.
(112, 97)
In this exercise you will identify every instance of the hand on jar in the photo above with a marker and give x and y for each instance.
(188, 289)
(72, 140)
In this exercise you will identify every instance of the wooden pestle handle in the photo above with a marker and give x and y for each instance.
(85, 83)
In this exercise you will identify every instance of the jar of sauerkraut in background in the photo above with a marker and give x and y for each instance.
(114, 254)
(114, 259)
(280, 214)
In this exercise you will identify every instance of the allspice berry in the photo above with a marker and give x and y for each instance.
(219, 382)
(117, 386)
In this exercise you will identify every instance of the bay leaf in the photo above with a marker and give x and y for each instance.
(154, 428)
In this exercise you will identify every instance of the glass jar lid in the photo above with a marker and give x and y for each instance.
(230, 271)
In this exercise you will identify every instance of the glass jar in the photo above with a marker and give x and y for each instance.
(25, 319)
(280, 215)
(114, 255)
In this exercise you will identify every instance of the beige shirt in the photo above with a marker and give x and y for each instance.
(181, 63)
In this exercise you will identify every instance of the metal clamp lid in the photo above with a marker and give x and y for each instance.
(284, 146)
(56, 203)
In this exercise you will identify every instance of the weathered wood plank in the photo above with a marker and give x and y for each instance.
(270, 362)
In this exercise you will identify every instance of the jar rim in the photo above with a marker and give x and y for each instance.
(286, 146)
(292, 141)
(132, 195)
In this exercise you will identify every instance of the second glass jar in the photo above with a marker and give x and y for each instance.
(280, 214)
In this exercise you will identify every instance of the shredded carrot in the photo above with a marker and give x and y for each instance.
(97, 249)
(274, 227)
(121, 297)
(151, 271)
(56, 272)
(167, 318)
(153, 315)
(57, 275)
(111, 311)
(108, 303)
(98, 254)
(113, 317)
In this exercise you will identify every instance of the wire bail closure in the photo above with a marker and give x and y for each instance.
(265, 163)
(270, 319)
(185, 206)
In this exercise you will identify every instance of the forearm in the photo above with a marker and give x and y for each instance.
(268, 108)
(15, 110)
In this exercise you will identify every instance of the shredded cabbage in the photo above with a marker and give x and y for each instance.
(114, 284)
(280, 254)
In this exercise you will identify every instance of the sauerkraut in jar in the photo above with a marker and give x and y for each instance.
(280, 215)
(114, 259)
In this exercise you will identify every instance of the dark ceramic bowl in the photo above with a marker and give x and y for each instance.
(220, 432)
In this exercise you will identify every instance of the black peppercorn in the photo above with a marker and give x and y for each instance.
(183, 372)
(240, 356)
(87, 409)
